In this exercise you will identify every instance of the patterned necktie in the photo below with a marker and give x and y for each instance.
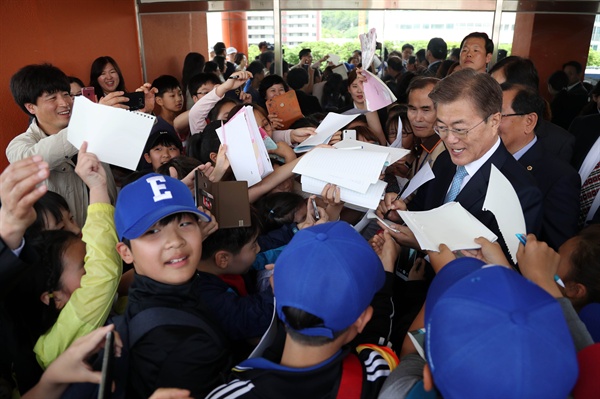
(588, 192)
(460, 174)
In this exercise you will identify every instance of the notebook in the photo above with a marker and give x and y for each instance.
(286, 107)
(246, 150)
(116, 136)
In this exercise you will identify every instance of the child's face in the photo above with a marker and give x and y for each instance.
(168, 254)
(224, 111)
(202, 91)
(241, 263)
(67, 222)
(171, 100)
(263, 122)
(160, 154)
(73, 271)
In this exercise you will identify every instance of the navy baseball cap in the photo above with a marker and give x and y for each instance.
(330, 271)
(149, 199)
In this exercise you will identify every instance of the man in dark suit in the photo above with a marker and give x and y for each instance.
(522, 109)
(437, 51)
(586, 130)
(468, 108)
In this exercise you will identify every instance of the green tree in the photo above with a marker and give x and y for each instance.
(593, 58)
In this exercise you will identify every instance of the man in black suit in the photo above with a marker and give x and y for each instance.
(437, 51)
(522, 109)
(469, 108)
(586, 130)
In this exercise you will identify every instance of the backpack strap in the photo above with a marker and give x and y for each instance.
(352, 378)
(150, 318)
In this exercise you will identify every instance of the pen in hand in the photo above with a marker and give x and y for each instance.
(523, 240)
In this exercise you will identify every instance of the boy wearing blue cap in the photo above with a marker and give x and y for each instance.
(492, 333)
(157, 225)
(333, 296)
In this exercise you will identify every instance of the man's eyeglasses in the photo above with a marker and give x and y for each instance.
(443, 131)
(517, 114)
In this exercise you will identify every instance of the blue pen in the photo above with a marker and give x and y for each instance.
(523, 239)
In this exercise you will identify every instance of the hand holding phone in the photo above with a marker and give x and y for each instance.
(89, 93)
(136, 100)
(315, 209)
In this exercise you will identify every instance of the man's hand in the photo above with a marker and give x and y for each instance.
(19, 190)
(388, 205)
(402, 234)
(387, 249)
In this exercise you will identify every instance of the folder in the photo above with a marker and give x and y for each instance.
(286, 107)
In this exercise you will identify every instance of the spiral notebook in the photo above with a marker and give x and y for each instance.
(115, 135)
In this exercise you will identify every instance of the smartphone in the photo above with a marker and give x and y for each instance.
(201, 196)
(349, 134)
(136, 100)
(314, 204)
(105, 391)
(412, 59)
(89, 93)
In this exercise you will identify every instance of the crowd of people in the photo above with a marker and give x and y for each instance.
(311, 299)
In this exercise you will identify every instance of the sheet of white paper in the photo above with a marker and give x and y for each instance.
(449, 224)
(368, 200)
(422, 177)
(394, 154)
(334, 59)
(398, 142)
(244, 148)
(115, 135)
(502, 200)
(352, 169)
(341, 70)
(331, 124)
(377, 93)
(368, 44)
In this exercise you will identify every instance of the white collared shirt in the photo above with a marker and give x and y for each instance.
(523, 150)
(474, 166)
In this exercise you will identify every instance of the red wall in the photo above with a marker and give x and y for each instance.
(69, 34)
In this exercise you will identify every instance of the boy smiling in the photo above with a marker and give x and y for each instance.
(157, 224)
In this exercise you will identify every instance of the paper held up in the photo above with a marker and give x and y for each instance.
(116, 136)
(423, 176)
(368, 200)
(501, 199)
(394, 154)
(449, 224)
(368, 45)
(246, 150)
(377, 93)
(331, 124)
(352, 169)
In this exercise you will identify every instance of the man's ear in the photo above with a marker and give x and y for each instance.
(31, 108)
(495, 118)
(125, 252)
(488, 58)
(530, 122)
(427, 378)
(222, 259)
(363, 319)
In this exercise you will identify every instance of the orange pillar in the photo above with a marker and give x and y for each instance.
(235, 30)
(550, 40)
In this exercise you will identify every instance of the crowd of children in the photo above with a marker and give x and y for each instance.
(309, 298)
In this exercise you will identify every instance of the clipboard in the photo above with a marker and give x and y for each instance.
(286, 107)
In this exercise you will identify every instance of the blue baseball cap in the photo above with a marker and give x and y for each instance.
(149, 199)
(491, 333)
(330, 271)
